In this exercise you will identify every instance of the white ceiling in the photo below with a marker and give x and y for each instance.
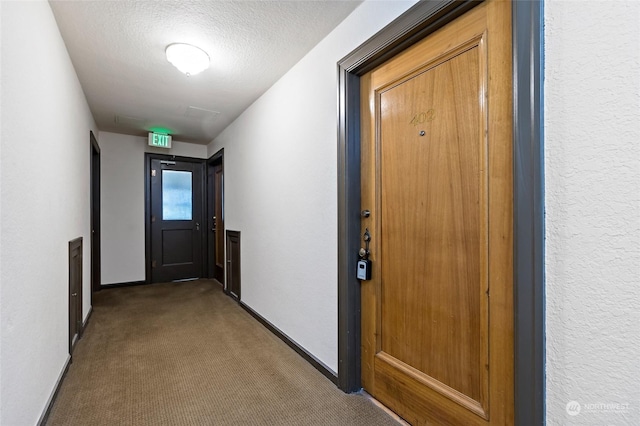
(117, 48)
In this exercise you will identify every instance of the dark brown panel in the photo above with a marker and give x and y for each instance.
(174, 242)
(233, 264)
(75, 292)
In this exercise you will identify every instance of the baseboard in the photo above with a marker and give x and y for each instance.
(118, 285)
(317, 364)
(47, 409)
(86, 322)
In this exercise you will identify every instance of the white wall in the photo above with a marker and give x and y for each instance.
(122, 202)
(280, 160)
(280, 166)
(592, 121)
(45, 199)
(1, 328)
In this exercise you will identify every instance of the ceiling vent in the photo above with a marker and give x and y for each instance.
(201, 113)
(124, 120)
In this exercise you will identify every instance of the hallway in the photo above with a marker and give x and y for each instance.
(292, 187)
(186, 354)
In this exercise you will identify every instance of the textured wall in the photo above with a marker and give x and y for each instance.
(592, 120)
(122, 202)
(45, 199)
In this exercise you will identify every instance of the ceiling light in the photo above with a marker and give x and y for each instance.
(189, 59)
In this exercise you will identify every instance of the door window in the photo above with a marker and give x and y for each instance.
(177, 195)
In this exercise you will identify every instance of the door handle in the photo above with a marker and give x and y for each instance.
(74, 294)
(197, 226)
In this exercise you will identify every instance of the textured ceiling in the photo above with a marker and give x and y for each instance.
(117, 48)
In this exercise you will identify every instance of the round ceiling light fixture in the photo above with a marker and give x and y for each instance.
(188, 59)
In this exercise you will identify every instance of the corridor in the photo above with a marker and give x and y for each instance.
(186, 354)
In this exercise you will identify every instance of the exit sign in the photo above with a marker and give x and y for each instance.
(159, 140)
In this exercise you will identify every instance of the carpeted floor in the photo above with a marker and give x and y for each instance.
(186, 354)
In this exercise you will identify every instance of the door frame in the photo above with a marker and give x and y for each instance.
(528, 172)
(94, 197)
(148, 156)
(211, 162)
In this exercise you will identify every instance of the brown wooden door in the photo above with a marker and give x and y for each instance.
(437, 322)
(176, 219)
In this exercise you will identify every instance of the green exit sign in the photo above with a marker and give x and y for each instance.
(159, 140)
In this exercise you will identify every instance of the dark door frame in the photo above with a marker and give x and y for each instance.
(216, 158)
(94, 197)
(147, 207)
(528, 249)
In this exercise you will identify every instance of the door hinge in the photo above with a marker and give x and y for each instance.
(153, 264)
(153, 172)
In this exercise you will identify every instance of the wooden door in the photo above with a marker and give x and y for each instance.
(437, 317)
(176, 219)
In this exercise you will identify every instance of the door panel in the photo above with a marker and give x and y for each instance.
(433, 224)
(173, 241)
(436, 175)
(75, 292)
(233, 263)
(176, 220)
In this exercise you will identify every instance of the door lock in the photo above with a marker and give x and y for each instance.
(364, 267)
(364, 252)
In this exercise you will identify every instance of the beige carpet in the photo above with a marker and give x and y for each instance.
(186, 354)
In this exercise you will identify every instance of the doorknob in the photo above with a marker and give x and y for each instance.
(197, 226)
(74, 294)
